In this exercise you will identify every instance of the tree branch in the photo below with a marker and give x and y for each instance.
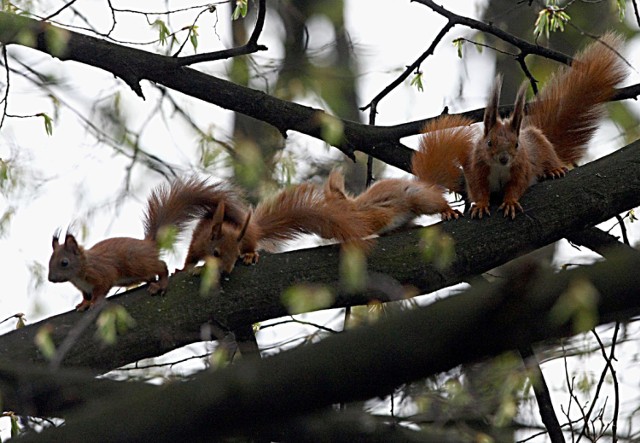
(554, 209)
(484, 321)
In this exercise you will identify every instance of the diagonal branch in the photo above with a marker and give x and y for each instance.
(484, 321)
(555, 209)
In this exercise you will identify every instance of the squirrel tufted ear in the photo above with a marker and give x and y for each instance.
(243, 231)
(71, 244)
(218, 218)
(56, 239)
(518, 108)
(491, 111)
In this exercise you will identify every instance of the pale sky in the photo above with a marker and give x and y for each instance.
(82, 178)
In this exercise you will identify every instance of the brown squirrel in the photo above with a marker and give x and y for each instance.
(389, 204)
(297, 210)
(443, 150)
(124, 261)
(514, 153)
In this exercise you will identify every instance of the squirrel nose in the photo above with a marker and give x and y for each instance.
(503, 159)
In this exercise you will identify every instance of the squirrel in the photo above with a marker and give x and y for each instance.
(123, 261)
(444, 148)
(514, 153)
(389, 204)
(294, 211)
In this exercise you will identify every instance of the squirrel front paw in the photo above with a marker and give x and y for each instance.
(509, 207)
(84, 305)
(479, 209)
(450, 213)
(250, 258)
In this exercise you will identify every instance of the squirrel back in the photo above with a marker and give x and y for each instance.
(569, 106)
(302, 209)
(291, 213)
(444, 148)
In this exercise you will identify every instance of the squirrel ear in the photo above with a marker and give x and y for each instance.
(518, 109)
(71, 244)
(491, 111)
(56, 239)
(334, 185)
(218, 218)
(243, 231)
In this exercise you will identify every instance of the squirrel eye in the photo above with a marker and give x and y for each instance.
(516, 145)
(216, 253)
(64, 262)
(489, 144)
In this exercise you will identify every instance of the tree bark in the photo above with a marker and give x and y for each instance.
(553, 210)
(363, 363)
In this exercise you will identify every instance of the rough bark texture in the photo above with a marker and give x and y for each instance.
(553, 210)
(485, 320)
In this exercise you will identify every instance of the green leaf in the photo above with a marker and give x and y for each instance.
(113, 321)
(167, 237)
(163, 31)
(193, 37)
(48, 123)
(15, 427)
(209, 275)
(437, 248)
(417, 81)
(550, 19)
(622, 9)
(21, 321)
(44, 342)
(241, 9)
(331, 128)
(305, 298)
(578, 304)
(353, 269)
(458, 45)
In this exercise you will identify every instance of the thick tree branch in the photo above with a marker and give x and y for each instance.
(554, 209)
(486, 320)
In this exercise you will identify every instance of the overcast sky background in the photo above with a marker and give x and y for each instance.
(70, 178)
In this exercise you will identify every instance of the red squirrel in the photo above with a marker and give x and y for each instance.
(124, 261)
(297, 210)
(514, 153)
(389, 204)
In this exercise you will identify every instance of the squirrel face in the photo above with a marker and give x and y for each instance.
(501, 135)
(501, 144)
(66, 260)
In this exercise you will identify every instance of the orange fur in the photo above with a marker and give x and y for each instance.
(568, 108)
(444, 147)
(124, 261)
(291, 213)
(388, 204)
(514, 153)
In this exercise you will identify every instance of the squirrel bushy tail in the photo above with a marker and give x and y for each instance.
(445, 146)
(568, 107)
(186, 200)
(302, 209)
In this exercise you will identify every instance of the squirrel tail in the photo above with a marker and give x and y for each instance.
(568, 107)
(444, 148)
(189, 199)
(302, 209)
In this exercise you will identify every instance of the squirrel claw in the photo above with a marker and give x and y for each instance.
(84, 305)
(509, 208)
(250, 258)
(479, 209)
(155, 289)
(451, 213)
